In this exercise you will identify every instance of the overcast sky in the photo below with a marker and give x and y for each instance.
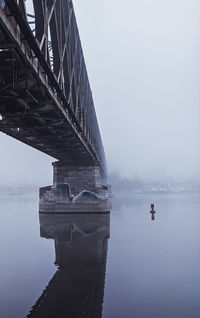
(143, 61)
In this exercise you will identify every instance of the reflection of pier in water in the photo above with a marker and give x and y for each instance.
(77, 288)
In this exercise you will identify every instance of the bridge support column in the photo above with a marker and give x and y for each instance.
(80, 177)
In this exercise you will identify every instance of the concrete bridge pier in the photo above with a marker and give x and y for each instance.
(79, 188)
(80, 176)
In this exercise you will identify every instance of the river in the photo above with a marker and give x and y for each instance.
(120, 265)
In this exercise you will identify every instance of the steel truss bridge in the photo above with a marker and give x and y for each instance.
(45, 96)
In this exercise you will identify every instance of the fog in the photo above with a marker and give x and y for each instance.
(143, 61)
(23, 165)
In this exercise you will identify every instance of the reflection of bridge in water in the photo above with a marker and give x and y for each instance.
(45, 96)
(77, 288)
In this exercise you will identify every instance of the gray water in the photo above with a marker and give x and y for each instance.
(146, 268)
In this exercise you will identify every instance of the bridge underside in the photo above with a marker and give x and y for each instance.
(51, 112)
(29, 111)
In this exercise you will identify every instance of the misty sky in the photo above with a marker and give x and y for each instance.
(143, 61)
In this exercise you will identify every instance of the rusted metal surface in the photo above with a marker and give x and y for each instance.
(45, 96)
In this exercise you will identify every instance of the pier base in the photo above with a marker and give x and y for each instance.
(76, 188)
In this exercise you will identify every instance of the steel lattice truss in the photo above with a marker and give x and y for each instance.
(45, 96)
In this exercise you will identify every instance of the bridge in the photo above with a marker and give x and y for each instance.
(45, 96)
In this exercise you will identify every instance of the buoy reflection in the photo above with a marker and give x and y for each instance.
(153, 212)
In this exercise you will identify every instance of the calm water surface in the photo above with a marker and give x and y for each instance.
(145, 269)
